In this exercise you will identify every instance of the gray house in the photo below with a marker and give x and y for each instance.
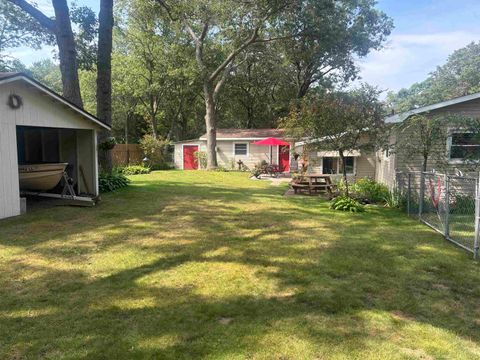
(448, 157)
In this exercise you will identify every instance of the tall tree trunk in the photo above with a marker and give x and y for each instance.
(61, 27)
(104, 78)
(425, 163)
(211, 127)
(344, 172)
(153, 120)
(67, 52)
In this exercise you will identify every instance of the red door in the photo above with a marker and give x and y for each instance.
(284, 157)
(189, 160)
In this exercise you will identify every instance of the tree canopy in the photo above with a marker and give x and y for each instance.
(182, 68)
(459, 76)
(338, 121)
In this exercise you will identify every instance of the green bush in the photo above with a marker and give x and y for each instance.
(221, 169)
(135, 170)
(256, 172)
(368, 189)
(155, 151)
(395, 199)
(111, 182)
(202, 159)
(463, 204)
(346, 203)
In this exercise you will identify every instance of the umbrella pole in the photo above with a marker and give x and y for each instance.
(271, 155)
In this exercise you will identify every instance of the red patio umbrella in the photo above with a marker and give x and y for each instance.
(271, 142)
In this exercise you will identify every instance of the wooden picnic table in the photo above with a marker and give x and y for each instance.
(314, 183)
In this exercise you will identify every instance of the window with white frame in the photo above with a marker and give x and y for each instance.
(464, 146)
(240, 149)
(333, 165)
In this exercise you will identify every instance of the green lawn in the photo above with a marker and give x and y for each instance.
(190, 265)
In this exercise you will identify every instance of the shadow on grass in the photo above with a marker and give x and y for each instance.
(156, 269)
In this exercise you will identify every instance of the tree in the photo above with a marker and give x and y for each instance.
(61, 28)
(104, 78)
(258, 91)
(17, 29)
(459, 76)
(156, 67)
(235, 26)
(329, 36)
(340, 122)
(425, 134)
(48, 73)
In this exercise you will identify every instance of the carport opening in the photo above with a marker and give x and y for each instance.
(41, 149)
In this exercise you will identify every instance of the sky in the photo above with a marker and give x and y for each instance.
(426, 32)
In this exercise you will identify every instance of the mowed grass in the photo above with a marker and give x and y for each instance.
(200, 265)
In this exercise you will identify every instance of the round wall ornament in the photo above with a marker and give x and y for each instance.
(14, 101)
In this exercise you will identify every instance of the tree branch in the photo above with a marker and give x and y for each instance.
(233, 54)
(42, 19)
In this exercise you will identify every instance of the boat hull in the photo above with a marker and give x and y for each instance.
(40, 177)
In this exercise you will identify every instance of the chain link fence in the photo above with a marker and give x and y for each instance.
(449, 204)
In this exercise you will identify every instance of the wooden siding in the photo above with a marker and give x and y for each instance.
(402, 161)
(439, 157)
(178, 151)
(225, 153)
(256, 153)
(9, 191)
(40, 110)
(386, 169)
(364, 164)
(86, 162)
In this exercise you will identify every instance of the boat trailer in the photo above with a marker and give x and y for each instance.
(67, 197)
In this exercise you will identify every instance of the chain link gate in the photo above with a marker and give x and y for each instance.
(448, 204)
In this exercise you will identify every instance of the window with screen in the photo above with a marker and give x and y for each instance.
(333, 165)
(465, 146)
(349, 164)
(241, 148)
(330, 165)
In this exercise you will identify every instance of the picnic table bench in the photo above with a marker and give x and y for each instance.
(313, 184)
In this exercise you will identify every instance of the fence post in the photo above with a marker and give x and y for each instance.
(447, 206)
(409, 189)
(422, 190)
(477, 218)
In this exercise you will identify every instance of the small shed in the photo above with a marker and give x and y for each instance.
(38, 126)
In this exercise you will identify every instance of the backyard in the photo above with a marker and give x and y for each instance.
(189, 265)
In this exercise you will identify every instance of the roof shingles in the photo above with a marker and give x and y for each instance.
(247, 134)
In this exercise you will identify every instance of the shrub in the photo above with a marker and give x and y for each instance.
(154, 150)
(256, 172)
(201, 157)
(221, 169)
(395, 199)
(135, 170)
(463, 204)
(107, 144)
(368, 189)
(111, 182)
(346, 203)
